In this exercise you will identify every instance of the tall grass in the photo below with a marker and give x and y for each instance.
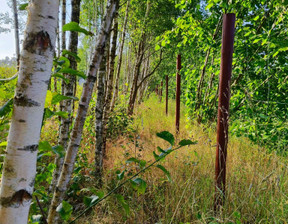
(257, 184)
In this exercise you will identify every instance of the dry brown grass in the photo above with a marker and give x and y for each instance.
(257, 183)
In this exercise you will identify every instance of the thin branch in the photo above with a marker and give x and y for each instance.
(152, 72)
(9, 79)
(123, 183)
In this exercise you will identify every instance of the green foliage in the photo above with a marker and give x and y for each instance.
(73, 26)
(65, 210)
(167, 137)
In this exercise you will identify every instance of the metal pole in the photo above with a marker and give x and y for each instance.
(167, 94)
(178, 86)
(223, 108)
(161, 91)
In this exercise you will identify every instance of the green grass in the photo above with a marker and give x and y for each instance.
(257, 184)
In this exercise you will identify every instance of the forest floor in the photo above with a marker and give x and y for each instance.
(257, 183)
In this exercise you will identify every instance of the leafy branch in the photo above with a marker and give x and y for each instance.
(164, 135)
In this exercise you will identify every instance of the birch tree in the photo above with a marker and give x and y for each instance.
(34, 74)
(115, 95)
(68, 90)
(77, 130)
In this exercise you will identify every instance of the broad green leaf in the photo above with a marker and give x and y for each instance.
(6, 108)
(59, 150)
(65, 210)
(120, 176)
(165, 171)
(73, 26)
(88, 201)
(139, 184)
(187, 142)
(123, 203)
(23, 6)
(73, 72)
(57, 75)
(58, 97)
(155, 155)
(167, 136)
(157, 47)
(66, 52)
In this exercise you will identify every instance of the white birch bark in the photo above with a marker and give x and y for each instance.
(35, 70)
(16, 27)
(77, 130)
(68, 90)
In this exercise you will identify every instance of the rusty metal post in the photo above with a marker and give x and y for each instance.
(178, 92)
(223, 108)
(167, 94)
(161, 91)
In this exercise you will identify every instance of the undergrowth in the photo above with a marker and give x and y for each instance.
(256, 179)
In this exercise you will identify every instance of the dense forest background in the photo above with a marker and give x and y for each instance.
(126, 77)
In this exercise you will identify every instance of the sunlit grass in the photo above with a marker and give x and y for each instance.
(256, 180)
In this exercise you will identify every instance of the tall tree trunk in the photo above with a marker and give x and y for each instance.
(99, 109)
(77, 130)
(68, 91)
(136, 73)
(34, 74)
(16, 28)
(115, 95)
(63, 21)
(109, 91)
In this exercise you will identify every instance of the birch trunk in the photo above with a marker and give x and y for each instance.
(77, 130)
(109, 89)
(16, 27)
(63, 21)
(115, 95)
(68, 91)
(35, 71)
(99, 117)
(107, 103)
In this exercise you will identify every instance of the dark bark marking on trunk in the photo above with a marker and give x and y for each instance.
(30, 148)
(17, 199)
(38, 43)
(20, 100)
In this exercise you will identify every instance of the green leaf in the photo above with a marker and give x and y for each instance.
(61, 77)
(66, 52)
(139, 184)
(6, 108)
(132, 159)
(59, 150)
(3, 144)
(165, 171)
(185, 142)
(167, 136)
(120, 176)
(73, 26)
(142, 164)
(123, 203)
(157, 47)
(73, 72)
(23, 6)
(155, 155)
(88, 201)
(65, 210)
(58, 97)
